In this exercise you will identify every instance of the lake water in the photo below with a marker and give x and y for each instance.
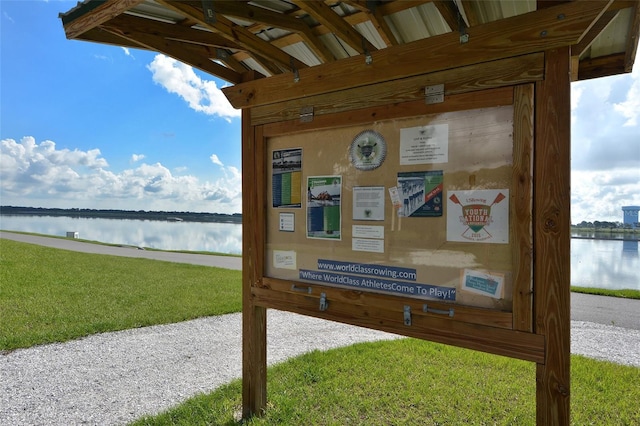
(611, 264)
(191, 236)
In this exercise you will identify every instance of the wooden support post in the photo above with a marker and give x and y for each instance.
(552, 173)
(254, 318)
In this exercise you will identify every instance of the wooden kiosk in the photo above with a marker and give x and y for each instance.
(421, 189)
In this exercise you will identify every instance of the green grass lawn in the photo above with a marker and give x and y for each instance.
(51, 295)
(413, 382)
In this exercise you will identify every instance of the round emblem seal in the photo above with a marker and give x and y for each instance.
(368, 150)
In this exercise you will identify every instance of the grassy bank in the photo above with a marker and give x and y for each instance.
(50, 295)
(412, 382)
(626, 294)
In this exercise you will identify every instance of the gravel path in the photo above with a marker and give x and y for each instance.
(114, 378)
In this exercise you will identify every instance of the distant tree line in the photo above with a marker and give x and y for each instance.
(122, 214)
(603, 225)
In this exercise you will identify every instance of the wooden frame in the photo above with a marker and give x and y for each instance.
(539, 94)
(523, 60)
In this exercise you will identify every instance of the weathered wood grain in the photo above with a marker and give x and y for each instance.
(390, 318)
(507, 72)
(552, 221)
(254, 318)
(522, 207)
(471, 100)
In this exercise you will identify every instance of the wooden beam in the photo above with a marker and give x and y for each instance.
(98, 35)
(254, 318)
(472, 78)
(175, 32)
(522, 206)
(250, 42)
(177, 51)
(383, 29)
(450, 13)
(514, 344)
(529, 33)
(602, 67)
(75, 26)
(470, 12)
(391, 7)
(327, 17)
(552, 226)
(274, 19)
(543, 4)
(602, 24)
(632, 41)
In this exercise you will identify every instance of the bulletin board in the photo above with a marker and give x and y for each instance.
(422, 219)
(419, 207)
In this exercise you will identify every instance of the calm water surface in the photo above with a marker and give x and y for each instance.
(192, 236)
(611, 264)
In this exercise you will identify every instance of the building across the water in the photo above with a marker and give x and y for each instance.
(630, 216)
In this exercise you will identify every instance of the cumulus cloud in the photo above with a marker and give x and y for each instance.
(605, 145)
(215, 160)
(40, 174)
(137, 157)
(630, 108)
(201, 95)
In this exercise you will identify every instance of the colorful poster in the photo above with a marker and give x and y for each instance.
(286, 167)
(420, 194)
(483, 283)
(368, 203)
(480, 216)
(324, 215)
(424, 144)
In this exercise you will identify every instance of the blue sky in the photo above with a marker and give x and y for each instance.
(96, 126)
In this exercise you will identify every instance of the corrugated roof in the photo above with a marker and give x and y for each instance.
(276, 36)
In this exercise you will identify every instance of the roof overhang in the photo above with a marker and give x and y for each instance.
(241, 41)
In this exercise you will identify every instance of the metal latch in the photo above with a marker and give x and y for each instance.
(323, 302)
(306, 114)
(301, 289)
(407, 315)
(434, 94)
(429, 310)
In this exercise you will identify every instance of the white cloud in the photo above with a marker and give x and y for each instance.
(137, 157)
(41, 175)
(215, 160)
(630, 108)
(201, 95)
(605, 146)
(127, 52)
(102, 58)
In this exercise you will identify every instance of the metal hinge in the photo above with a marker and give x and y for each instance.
(323, 302)
(434, 94)
(306, 114)
(407, 315)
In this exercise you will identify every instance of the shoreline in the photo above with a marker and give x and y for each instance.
(618, 237)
